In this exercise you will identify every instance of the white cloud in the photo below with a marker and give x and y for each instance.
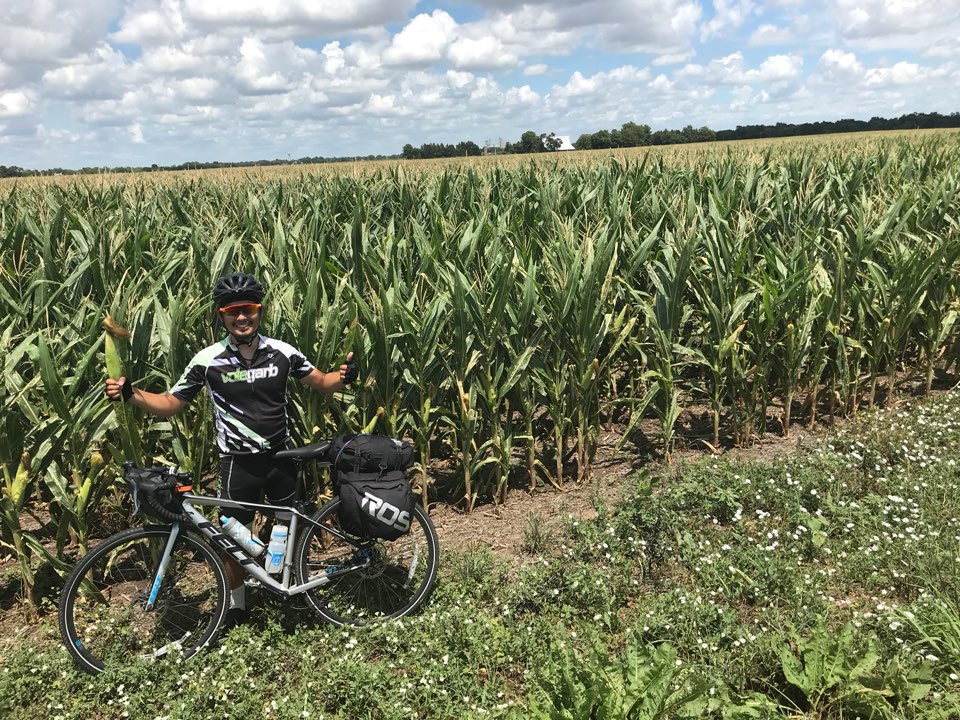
(194, 115)
(297, 18)
(334, 60)
(255, 72)
(16, 103)
(458, 79)
(531, 30)
(197, 89)
(560, 27)
(769, 34)
(136, 134)
(536, 69)
(945, 47)
(661, 84)
(103, 73)
(56, 135)
(383, 105)
(839, 66)
(521, 96)
(662, 28)
(171, 60)
(785, 4)
(742, 97)
(121, 111)
(732, 70)
(902, 73)
(147, 22)
(779, 67)
(423, 41)
(484, 91)
(594, 88)
(486, 53)
(36, 36)
(728, 15)
(674, 59)
(577, 86)
(727, 69)
(878, 18)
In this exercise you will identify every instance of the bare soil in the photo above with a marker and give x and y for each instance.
(504, 528)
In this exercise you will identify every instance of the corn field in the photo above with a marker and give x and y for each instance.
(501, 315)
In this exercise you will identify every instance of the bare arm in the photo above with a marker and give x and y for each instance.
(162, 404)
(324, 382)
(330, 382)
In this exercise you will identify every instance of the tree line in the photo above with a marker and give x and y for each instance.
(910, 121)
(14, 171)
(628, 135)
(632, 134)
(427, 151)
(529, 142)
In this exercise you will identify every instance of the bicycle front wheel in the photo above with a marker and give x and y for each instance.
(397, 580)
(103, 617)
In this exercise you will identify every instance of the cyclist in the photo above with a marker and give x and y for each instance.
(245, 375)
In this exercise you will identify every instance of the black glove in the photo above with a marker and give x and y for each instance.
(351, 374)
(126, 392)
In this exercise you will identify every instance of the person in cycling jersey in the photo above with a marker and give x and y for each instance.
(245, 376)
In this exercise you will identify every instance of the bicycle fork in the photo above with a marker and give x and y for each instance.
(162, 567)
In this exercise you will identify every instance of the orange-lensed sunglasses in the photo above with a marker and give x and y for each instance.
(241, 309)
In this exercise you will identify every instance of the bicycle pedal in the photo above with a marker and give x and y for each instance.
(252, 582)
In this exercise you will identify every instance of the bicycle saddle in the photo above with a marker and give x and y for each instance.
(308, 452)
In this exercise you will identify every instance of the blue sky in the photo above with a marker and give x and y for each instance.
(137, 82)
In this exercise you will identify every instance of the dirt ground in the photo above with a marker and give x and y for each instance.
(502, 528)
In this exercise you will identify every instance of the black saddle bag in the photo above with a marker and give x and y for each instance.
(376, 498)
(376, 505)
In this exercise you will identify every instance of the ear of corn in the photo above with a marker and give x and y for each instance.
(129, 434)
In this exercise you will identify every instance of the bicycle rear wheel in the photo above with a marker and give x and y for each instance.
(102, 615)
(399, 578)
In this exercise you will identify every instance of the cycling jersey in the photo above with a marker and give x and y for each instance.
(249, 397)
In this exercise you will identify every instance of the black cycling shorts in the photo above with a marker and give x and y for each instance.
(248, 478)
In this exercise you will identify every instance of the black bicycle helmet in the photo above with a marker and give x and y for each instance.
(237, 287)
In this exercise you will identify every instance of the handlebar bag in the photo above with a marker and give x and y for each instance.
(154, 490)
(374, 504)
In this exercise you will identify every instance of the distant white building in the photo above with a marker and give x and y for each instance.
(565, 143)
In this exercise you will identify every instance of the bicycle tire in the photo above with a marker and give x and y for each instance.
(400, 578)
(112, 629)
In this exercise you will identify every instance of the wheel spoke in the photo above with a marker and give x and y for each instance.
(398, 578)
(103, 615)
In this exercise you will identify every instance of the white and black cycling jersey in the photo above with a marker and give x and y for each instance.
(249, 397)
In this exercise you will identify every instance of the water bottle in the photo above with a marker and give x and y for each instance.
(278, 543)
(241, 533)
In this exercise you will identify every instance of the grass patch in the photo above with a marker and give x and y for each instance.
(822, 585)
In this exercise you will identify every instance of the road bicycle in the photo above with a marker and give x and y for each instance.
(161, 591)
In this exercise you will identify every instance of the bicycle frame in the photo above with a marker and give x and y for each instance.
(221, 540)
